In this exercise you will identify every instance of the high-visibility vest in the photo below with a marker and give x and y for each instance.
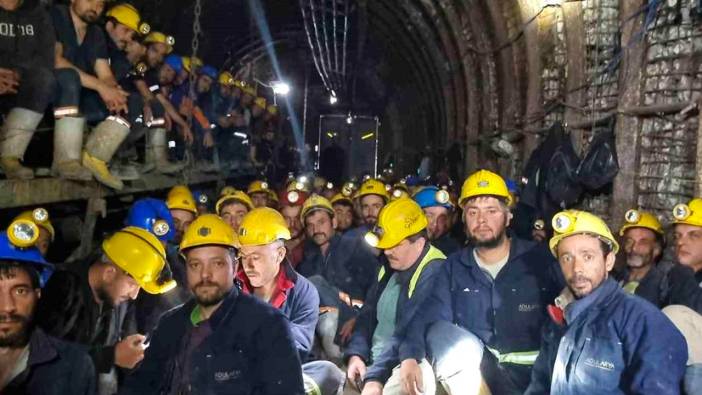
(432, 254)
(517, 358)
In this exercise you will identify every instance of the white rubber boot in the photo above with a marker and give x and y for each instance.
(101, 146)
(68, 143)
(17, 132)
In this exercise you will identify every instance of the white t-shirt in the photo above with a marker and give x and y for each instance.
(492, 269)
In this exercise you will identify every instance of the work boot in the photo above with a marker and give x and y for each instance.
(125, 171)
(68, 141)
(17, 132)
(101, 146)
(157, 155)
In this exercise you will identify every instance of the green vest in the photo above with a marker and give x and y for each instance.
(432, 254)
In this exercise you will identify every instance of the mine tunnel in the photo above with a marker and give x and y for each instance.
(494, 133)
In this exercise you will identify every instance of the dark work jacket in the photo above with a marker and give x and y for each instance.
(407, 307)
(447, 244)
(464, 295)
(27, 37)
(613, 343)
(250, 351)
(345, 266)
(54, 367)
(300, 304)
(149, 307)
(67, 310)
(663, 288)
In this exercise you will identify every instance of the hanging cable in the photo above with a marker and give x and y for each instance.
(319, 45)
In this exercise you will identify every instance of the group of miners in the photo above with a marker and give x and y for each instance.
(112, 74)
(319, 289)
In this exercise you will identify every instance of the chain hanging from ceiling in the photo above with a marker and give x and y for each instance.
(327, 28)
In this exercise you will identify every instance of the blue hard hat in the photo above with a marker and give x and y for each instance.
(209, 71)
(175, 62)
(30, 255)
(512, 186)
(152, 215)
(432, 196)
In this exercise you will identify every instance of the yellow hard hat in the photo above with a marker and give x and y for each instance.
(373, 187)
(641, 219)
(400, 190)
(340, 197)
(398, 220)
(141, 254)
(181, 198)
(573, 222)
(690, 213)
(236, 196)
(226, 78)
(128, 16)
(262, 226)
(313, 203)
(189, 61)
(272, 109)
(249, 89)
(208, 229)
(227, 190)
(239, 84)
(258, 186)
(273, 196)
(40, 217)
(348, 189)
(484, 183)
(158, 37)
(261, 102)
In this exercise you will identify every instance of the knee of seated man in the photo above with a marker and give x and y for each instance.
(41, 81)
(157, 109)
(68, 81)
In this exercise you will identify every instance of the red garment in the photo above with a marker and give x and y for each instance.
(296, 254)
(280, 294)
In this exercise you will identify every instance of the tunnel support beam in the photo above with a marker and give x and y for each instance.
(625, 192)
(575, 67)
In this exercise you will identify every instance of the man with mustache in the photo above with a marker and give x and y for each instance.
(222, 341)
(32, 362)
(642, 235)
(438, 209)
(336, 265)
(467, 325)
(88, 302)
(291, 198)
(266, 273)
(404, 282)
(601, 340)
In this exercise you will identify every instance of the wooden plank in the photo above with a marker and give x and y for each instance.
(625, 191)
(575, 66)
(40, 191)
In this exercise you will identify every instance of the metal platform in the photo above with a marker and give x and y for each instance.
(42, 191)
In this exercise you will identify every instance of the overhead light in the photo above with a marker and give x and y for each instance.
(349, 119)
(333, 99)
(280, 88)
(241, 135)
